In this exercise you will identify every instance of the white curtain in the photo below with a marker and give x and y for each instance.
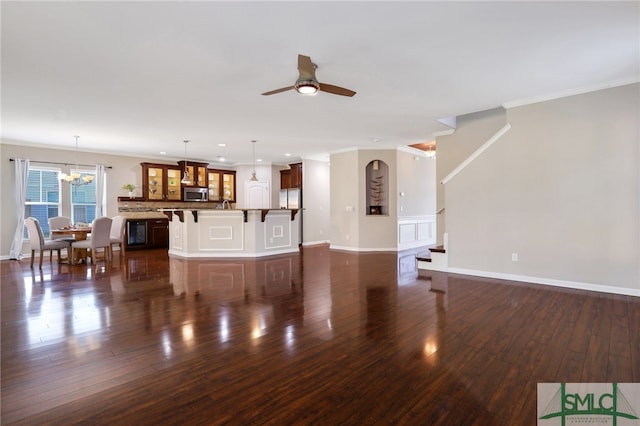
(21, 173)
(100, 180)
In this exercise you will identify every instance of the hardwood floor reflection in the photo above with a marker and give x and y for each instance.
(323, 337)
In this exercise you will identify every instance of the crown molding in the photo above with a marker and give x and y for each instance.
(567, 93)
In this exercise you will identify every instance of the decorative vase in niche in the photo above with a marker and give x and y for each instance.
(131, 195)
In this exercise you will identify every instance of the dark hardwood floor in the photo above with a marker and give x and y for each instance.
(321, 337)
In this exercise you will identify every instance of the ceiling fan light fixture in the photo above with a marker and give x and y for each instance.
(307, 87)
(308, 84)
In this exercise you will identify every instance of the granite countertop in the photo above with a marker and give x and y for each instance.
(220, 210)
(142, 211)
(146, 214)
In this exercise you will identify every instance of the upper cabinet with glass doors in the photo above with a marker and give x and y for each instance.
(222, 185)
(161, 182)
(196, 173)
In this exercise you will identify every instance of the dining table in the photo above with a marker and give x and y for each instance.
(79, 234)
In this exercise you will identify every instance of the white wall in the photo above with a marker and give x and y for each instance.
(472, 131)
(345, 202)
(561, 189)
(378, 232)
(416, 187)
(316, 201)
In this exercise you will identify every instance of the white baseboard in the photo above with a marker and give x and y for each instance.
(432, 266)
(315, 243)
(548, 281)
(27, 256)
(360, 249)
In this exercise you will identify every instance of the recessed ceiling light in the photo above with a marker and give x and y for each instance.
(163, 152)
(287, 155)
(220, 158)
(259, 160)
(222, 144)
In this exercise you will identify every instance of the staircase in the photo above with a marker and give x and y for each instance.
(436, 259)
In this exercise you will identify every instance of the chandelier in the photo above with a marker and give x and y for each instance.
(76, 178)
(431, 151)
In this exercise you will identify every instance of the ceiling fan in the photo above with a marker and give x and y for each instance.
(307, 84)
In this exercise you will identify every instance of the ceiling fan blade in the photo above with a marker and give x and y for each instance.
(273, 92)
(306, 68)
(336, 90)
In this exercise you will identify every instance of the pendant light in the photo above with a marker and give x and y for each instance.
(76, 178)
(253, 175)
(185, 176)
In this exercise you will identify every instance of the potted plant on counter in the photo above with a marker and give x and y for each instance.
(129, 187)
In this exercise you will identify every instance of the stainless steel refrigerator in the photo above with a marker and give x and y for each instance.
(291, 198)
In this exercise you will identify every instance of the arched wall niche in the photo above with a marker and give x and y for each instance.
(377, 181)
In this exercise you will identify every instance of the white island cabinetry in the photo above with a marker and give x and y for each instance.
(212, 233)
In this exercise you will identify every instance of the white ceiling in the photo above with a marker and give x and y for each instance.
(140, 77)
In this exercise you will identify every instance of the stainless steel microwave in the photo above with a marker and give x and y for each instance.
(195, 194)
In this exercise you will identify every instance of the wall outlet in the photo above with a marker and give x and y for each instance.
(514, 257)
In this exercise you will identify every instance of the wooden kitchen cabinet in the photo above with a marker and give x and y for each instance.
(229, 186)
(197, 173)
(222, 185)
(214, 180)
(292, 177)
(147, 234)
(285, 179)
(161, 182)
(157, 233)
(296, 175)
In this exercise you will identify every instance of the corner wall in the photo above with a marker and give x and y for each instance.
(345, 200)
(472, 131)
(560, 191)
(316, 202)
(411, 174)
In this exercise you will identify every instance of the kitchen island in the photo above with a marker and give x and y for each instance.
(215, 233)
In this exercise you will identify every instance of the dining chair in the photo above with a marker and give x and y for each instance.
(117, 234)
(38, 242)
(100, 239)
(59, 222)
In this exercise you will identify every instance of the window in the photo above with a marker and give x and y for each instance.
(43, 196)
(83, 201)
